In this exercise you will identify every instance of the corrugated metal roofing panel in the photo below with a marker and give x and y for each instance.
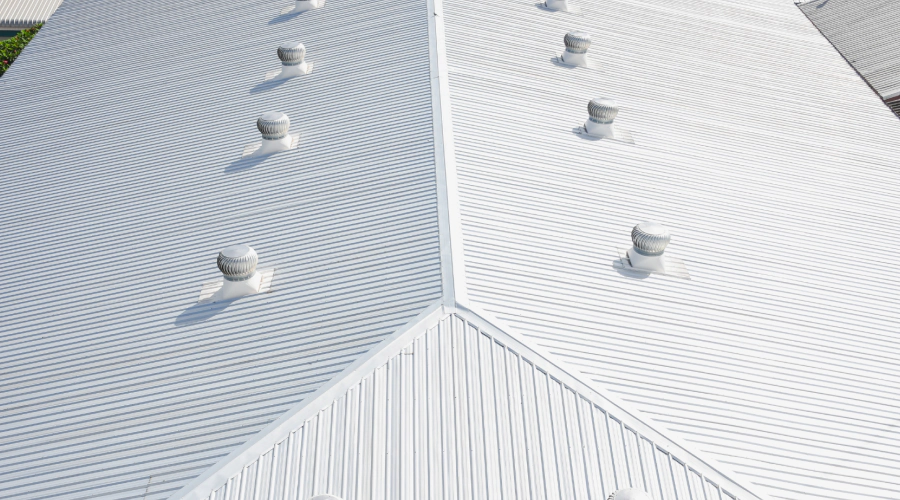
(776, 169)
(865, 33)
(21, 14)
(461, 413)
(120, 140)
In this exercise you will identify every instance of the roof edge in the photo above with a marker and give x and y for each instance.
(224, 469)
(453, 278)
(802, 6)
(578, 381)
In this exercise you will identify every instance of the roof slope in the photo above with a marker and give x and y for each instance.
(120, 166)
(21, 14)
(776, 169)
(865, 33)
(456, 408)
(120, 138)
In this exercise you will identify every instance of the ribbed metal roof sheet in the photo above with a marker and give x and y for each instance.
(453, 409)
(865, 32)
(775, 168)
(121, 134)
(122, 129)
(21, 14)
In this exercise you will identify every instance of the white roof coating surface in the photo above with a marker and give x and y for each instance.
(776, 169)
(439, 164)
(21, 14)
(121, 135)
(865, 32)
(455, 408)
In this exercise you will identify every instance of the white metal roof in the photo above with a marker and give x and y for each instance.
(865, 32)
(438, 161)
(453, 407)
(775, 168)
(21, 14)
(120, 142)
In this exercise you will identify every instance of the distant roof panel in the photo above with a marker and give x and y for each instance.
(21, 14)
(866, 33)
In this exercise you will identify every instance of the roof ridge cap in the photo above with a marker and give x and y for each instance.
(453, 278)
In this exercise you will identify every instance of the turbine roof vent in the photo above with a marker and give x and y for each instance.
(646, 255)
(238, 262)
(239, 275)
(291, 53)
(577, 42)
(603, 110)
(650, 238)
(273, 125)
(293, 62)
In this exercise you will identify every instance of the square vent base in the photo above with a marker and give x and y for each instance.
(249, 149)
(210, 290)
(573, 9)
(620, 135)
(675, 267)
(271, 75)
(558, 60)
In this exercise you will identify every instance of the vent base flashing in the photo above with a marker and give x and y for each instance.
(286, 72)
(214, 291)
(559, 6)
(673, 266)
(302, 6)
(291, 141)
(619, 135)
(575, 61)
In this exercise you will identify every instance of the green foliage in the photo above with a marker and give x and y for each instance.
(10, 49)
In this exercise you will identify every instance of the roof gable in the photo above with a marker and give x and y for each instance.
(454, 407)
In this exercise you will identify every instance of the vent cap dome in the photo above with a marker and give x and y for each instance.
(238, 262)
(291, 53)
(629, 494)
(650, 238)
(273, 125)
(603, 110)
(577, 42)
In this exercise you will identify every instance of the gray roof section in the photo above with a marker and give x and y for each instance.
(454, 407)
(775, 167)
(21, 14)
(120, 139)
(865, 32)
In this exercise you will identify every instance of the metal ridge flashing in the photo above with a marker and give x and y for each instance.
(570, 376)
(202, 485)
(453, 277)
